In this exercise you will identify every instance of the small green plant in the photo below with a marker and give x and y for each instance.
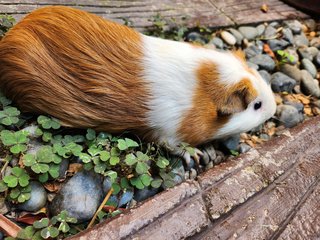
(48, 228)
(9, 116)
(20, 194)
(284, 57)
(15, 140)
(6, 22)
(48, 122)
(45, 162)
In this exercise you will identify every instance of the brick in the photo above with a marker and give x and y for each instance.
(189, 218)
(141, 216)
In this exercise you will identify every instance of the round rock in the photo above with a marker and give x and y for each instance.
(317, 60)
(243, 147)
(265, 75)
(248, 32)
(300, 40)
(309, 86)
(308, 52)
(264, 61)
(253, 50)
(38, 198)
(143, 194)
(315, 42)
(260, 29)
(231, 143)
(295, 26)
(195, 37)
(217, 42)
(228, 38)
(291, 71)
(309, 66)
(282, 83)
(289, 115)
(276, 44)
(236, 34)
(125, 198)
(80, 196)
(287, 35)
(270, 32)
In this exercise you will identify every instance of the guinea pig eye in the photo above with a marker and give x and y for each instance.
(257, 105)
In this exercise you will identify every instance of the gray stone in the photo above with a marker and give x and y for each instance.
(80, 196)
(309, 66)
(264, 136)
(63, 168)
(309, 86)
(295, 26)
(265, 75)
(289, 115)
(252, 65)
(310, 23)
(264, 61)
(315, 42)
(300, 40)
(287, 35)
(32, 130)
(217, 42)
(38, 198)
(260, 29)
(3, 206)
(236, 34)
(228, 38)
(106, 185)
(291, 71)
(143, 194)
(270, 32)
(243, 147)
(125, 198)
(308, 52)
(252, 51)
(248, 32)
(317, 60)
(274, 24)
(282, 83)
(193, 174)
(298, 105)
(231, 143)
(195, 37)
(297, 89)
(276, 44)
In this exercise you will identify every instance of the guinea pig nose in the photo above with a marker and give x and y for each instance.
(257, 105)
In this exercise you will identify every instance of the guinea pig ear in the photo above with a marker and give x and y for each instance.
(238, 98)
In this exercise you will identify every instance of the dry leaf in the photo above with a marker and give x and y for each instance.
(308, 111)
(316, 111)
(74, 167)
(30, 218)
(8, 227)
(264, 8)
(271, 131)
(268, 50)
(52, 186)
(303, 99)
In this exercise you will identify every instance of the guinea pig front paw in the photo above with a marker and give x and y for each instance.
(186, 155)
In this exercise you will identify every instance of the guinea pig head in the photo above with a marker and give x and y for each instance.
(243, 100)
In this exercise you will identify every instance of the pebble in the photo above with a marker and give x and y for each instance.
(1, 235)
(276, 44)
(231, 143)
(80, 196)
(264, 136)
(38, 198)
(287, 35)
(265, 75)
(291, 71)
(217, 42)
(275, 24)
(282, 83)
(260, 29)
(315, 42)
(308, 52)
(3, 206)
(252, 65)
(297, 89)
(106, 185)
(193, 174)
(309, 86)
(179, 172)
(252, 51)
(270, 32)
(311, 24)
(243, 147)
(289, 115)
(126, 197)
(209, 165)
(248, 32)
(298, 105)
(309, 66)
(300, 40)
(195, 37)
(64, 165)
(264, 61)
(237, 35)
(295, 26)
(317, 60)
(32, 130)
(143, 194)
(228, 38)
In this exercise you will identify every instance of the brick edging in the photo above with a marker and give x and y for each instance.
(219, 194)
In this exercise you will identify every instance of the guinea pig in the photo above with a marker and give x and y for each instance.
(89, 72)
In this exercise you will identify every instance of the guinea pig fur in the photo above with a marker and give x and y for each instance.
(93, 73)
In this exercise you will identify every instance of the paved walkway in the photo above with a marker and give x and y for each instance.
(210, 13)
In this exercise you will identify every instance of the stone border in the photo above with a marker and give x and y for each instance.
(256, 195)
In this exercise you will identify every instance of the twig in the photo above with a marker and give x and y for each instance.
(100, 207)
(4, 168)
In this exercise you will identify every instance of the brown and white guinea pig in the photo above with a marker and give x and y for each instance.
(92, 73)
